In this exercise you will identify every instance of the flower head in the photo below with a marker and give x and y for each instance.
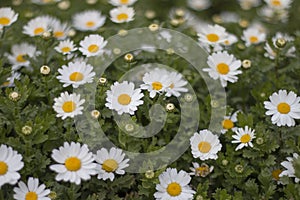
(92, 45)
(122, 2)
(124, 98)
(31, 191)
(122, 14)
(244, 136)
(89, 20)
(10, 164)
(38, 25)
(174, 185)
(201, 170)
(290, 170)
(223, 66)
(7, 16)
(65, 47)
(212, 34)
(253, 36)
(75, 163)
(284, 108)
(110, 163)
(205, 145)
(68, 105)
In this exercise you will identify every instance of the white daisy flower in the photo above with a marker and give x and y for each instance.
(76, 73)
(199, 5)
(68, 105)
(122, 14)
(76, 163)
(31, 191)
(38, 26)
(212, 34)
(279, 4)
(290, 170)
(110, 163)
(92, 45)
(10, 80)
(89, 20)
(228, 122)
(60, 30)
(244, 136)
(201, 170)
(229, 17)
(274, 15)
(223, 66)
(284, 108)
(173, 185)
(19, 51)
(231, 39)
(205, 145)
(122, 2)
(10, 164)
(7, 16)
(65, 47)
(176, 84)
(156, 81)
(253, 36)
(123, 98)
(248, 4)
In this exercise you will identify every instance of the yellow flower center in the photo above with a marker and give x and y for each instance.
(110, 165)
(20, 58)
(3, 168)
(73, 164)
(212, 37)
(283, 108)
(157, 86)
(172, 86)
(4, 21)
(174, 189)
(76, 76)
(69, 106)
(122, 17)
(245, 138)
(275, 174)
(124, 1)
(227, 124)
(38, 30)
(253, 39)
(202, 170)
(66, 49)
(58, 34)
(204, 147)
(227, 42)
(124, 99)
(223, 68)
(93, 48)
(90, 24)
(276, 2)
(31, 196)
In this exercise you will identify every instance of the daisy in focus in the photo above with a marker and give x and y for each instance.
(223, 66)
(38, 26)
(205, 145)
(76, 163)
(89, 20)
(31, 191)
(65, 47)
(156, 81)
(92, 45)
(290, 170)
(110, 163)
(284, 108)
(124, 98)
(10, 164)
(76, 73)
(7, 16)
(253, 36)
(201, 170)
(212, 35)
(68, 105)
(122, 2)
(176, 84)
(18, 55)
(122, 14)
(174, 185)
(244, 136)
(228, 122)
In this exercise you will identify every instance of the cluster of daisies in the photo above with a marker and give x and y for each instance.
(75, 163)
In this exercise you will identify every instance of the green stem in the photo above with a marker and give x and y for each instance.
(1, 194)
(3, 32)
